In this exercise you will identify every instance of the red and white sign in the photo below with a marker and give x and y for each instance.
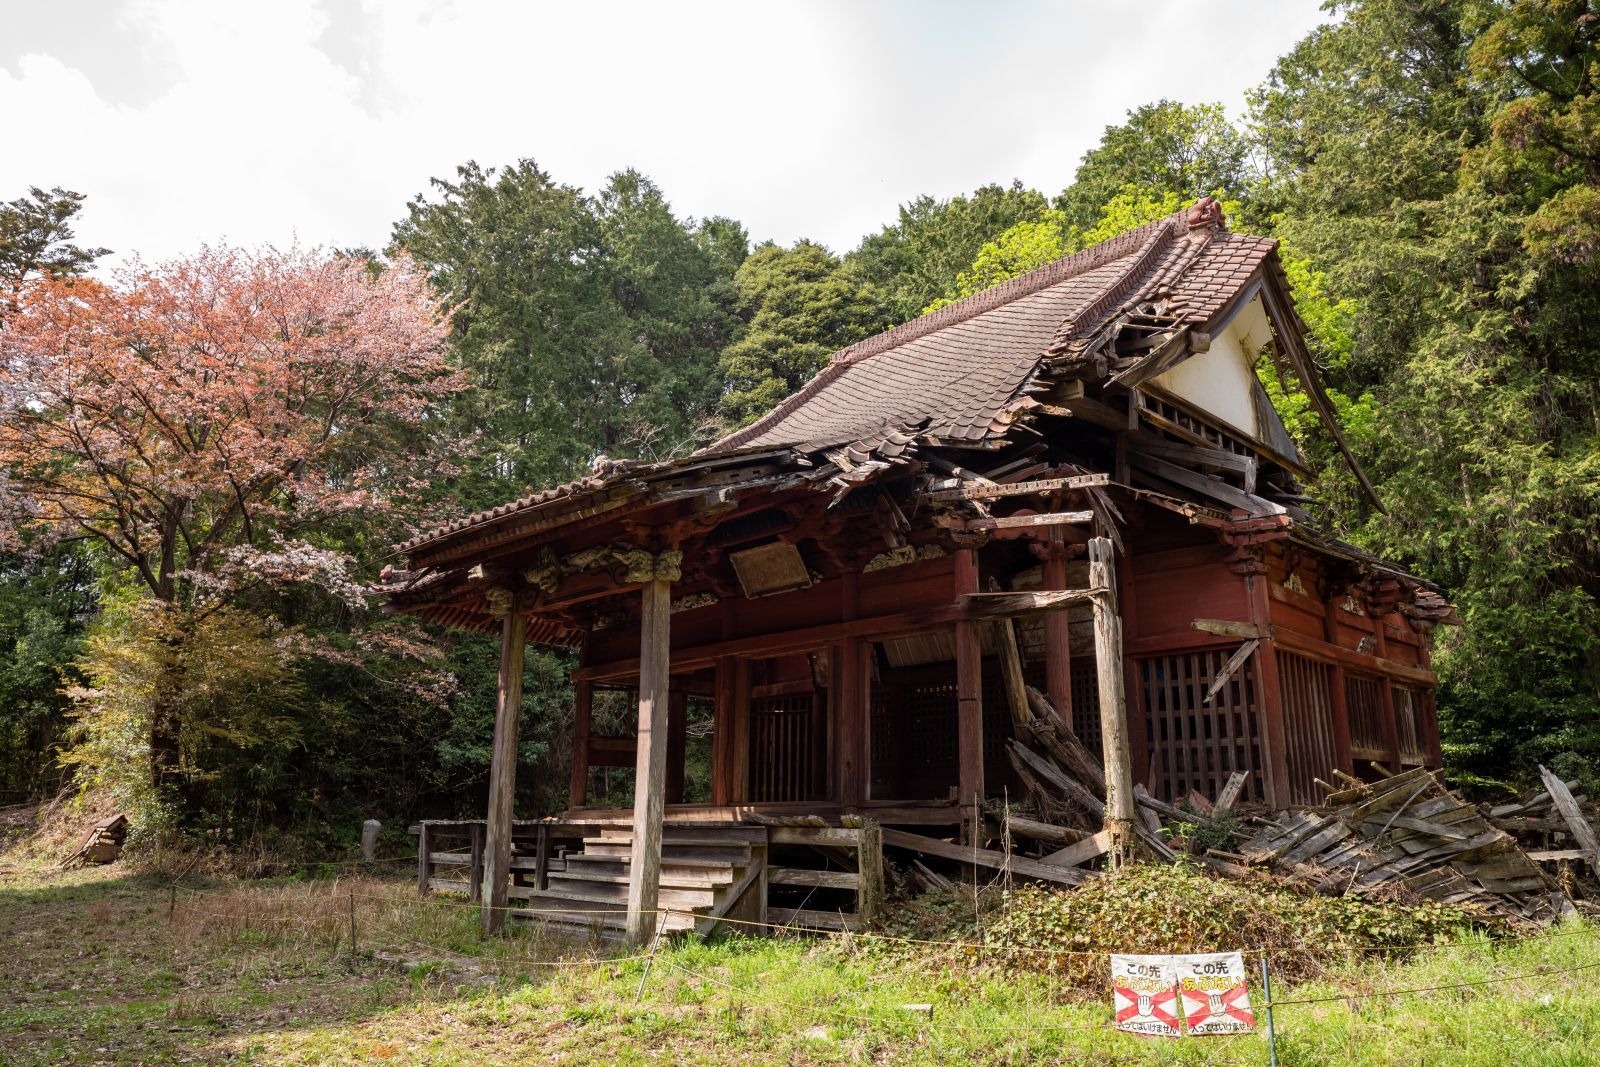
(1145, 991)
(1215, 1000)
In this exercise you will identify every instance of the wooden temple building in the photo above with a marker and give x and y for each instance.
(817, 592)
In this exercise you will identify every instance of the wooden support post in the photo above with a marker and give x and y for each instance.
(582, 719)
(1120, 803)
(541, 859)
(1057, 632)
(424, 861)
(1341, 720)
(475, 872)
(869, 873)
(969, 699)
(1274, 724)
(850, 720)
(724, 731)
(677, 743)
(503, 766)
(649, 788)
(1434, 747)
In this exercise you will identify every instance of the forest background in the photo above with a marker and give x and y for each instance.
(204, 464)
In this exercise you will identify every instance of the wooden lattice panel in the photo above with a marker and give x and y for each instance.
(1308, 725)
(1197, 745)
(1408, 718)
(1363, 699)
(784, 739)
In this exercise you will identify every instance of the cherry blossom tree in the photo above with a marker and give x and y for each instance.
(220, 424)
(201, 418)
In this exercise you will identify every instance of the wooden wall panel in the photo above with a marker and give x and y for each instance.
(1195, 745)
(1308, 725)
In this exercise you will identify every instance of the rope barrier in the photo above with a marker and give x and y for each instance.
(1433, 988)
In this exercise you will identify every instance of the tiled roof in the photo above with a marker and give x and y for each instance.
(957, 374)
(952, 375)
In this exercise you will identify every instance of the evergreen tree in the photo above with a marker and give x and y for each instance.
(801, 304)
(1165, 147)
(916, 259)
(1432, 160)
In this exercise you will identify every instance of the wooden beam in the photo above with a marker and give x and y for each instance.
(1228, 628)
(1080, 852)
(1120, 810)
(984, 857)
(1166, 355)
(649, 791)
(1014, 522)
(1235, 661)
(1274, 725)
(1206, 486)
(1182, 451)
(503, 767)
(1567, 806)
(969, 694)
(1042, 485)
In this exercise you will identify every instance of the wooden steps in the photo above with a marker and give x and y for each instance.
(706, 872)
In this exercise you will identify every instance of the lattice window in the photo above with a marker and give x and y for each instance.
(784, 737)
(1196, 745)
(1308, 724)
(1086, 702)
(1408, 716)
(1363, 700)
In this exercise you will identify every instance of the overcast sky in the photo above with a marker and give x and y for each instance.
(189, 121)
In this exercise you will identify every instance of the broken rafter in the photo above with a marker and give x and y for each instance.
(1043, 485)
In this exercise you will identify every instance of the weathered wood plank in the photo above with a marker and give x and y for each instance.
(822, 879)
(983, 857)
(1567, 805)
(1081, 852)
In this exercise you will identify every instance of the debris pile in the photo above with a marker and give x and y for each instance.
(103, 843)
(1401, 832)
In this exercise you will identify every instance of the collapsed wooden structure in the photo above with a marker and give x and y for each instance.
(798, 622)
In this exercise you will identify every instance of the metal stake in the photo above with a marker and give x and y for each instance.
(1266, 991)
(651, 958)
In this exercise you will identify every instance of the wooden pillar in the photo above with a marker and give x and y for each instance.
(850, 718)
(677, 743)
(722, 732)
(649, 784)
(424, 860)
(1274, 725)
(503, 765)
(582, 725)
(1057, 631)
(1338, 700)
(1120, 812)
(969, 697)
(1391, 721)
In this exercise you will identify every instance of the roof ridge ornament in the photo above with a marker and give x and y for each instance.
(1206, 212)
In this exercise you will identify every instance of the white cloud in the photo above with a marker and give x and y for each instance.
(295, 118)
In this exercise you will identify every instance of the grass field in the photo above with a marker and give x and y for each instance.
(98, 966)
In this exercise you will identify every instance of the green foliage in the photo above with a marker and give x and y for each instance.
(1419, 155)
(36, 237)
(587, 326)
(1188, 151)
(800, 304)
(225, 682)
(1176, 908)
(45, 604)
(916, 260)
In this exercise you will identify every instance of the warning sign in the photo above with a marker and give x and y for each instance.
(1215, 1000)
(1145, 990)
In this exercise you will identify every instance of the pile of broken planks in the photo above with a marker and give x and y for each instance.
(1406, 832)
